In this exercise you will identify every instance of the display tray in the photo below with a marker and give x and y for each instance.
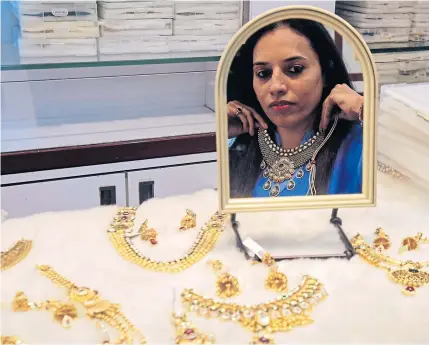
(404, 130)
(357, 310)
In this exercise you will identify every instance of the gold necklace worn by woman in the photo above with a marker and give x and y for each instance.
(407, 273)
(121, 233)
(280, 165)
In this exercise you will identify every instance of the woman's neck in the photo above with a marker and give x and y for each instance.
(291, 137)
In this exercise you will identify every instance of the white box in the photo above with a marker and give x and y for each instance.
(35, 48)
(205, 27)
(207, 10)
(136, 27)
(133, 45)
(137, 10)
(403, 131)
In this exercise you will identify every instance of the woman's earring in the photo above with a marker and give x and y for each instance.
(189, 221)
(381, 241)
(148, 234)
(226, 284)
(412, 243)
(276, 281)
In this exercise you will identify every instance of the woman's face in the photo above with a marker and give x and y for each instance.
(287, 78)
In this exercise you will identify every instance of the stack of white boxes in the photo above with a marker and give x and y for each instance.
(134, 28)
(382, 24)
(204, 26)
(386, 25)
(403, 130)
(57, 31)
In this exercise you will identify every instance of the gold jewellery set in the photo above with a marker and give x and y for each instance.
(102, 311)
(409, 274)
(121, 233)
(282, 314)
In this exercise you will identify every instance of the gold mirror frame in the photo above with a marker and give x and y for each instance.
(362, 53)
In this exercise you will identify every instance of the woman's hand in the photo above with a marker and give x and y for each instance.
(243, 119)
(348, 100)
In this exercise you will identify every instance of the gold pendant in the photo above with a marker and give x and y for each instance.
(187, 333)
(17, 253)
(411, 279)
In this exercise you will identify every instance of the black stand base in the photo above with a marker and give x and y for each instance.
(336, 221)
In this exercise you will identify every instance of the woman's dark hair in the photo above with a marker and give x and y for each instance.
(245, 155)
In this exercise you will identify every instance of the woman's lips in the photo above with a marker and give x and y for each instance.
(282, 107)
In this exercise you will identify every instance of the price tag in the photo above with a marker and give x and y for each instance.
(254, 247)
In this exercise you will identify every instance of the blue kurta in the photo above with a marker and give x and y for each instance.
(346, 176)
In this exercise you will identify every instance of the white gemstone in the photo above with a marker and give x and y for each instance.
(303, 305)
(235, 316)
(275, 314)
(311, 301)
(318, 296)
(111, 230)
(263, 319)
(296, 310)
(300, 299)
(323, 291)
(293, 303)
(286, 312)
(305, 295)
(248, 314)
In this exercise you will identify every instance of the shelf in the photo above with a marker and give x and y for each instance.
(10, 60)
(62, 132)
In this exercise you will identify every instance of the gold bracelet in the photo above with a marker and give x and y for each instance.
(278, 315)
(121, 234)
(407, 273)
(15, 254)
(95, 307)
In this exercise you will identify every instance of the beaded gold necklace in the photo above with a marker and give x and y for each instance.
(121, 233)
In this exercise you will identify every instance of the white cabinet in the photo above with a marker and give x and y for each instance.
(63, 195)
(169, 181)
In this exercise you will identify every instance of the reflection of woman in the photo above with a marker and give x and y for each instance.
(294, 121)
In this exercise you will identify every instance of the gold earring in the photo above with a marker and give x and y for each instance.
(189, 221)
(412, 243)
(381, 241)
(148, 234)
(226, 284)
(276, 281)
(187, 333)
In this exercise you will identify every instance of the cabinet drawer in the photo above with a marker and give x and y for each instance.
(169, 181)
(63, 195)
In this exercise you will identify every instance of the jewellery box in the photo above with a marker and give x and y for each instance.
(58, 47)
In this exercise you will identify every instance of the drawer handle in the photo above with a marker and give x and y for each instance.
(108, 195)
(146, 191)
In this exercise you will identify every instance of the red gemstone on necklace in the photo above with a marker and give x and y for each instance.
(410, 289)
(153, 241)
(264, 340)
(188, 331)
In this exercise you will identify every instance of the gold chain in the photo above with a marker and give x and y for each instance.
(15, 254)
(278, 315)
(121, 233)
(407, 273)
(95, 307)
(10, 340)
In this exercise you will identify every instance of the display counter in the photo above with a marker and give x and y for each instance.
(362, 306)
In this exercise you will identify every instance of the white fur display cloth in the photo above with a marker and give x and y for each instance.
(363, 305)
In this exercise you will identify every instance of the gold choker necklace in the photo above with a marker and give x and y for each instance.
(280, 165)
(407, 273)
(121, 233)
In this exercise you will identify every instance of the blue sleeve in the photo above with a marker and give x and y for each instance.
(347, 173)
(230, 142)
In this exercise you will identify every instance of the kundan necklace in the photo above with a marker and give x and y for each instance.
(280, 165)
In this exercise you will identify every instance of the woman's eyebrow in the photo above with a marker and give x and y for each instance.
(292, 58)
